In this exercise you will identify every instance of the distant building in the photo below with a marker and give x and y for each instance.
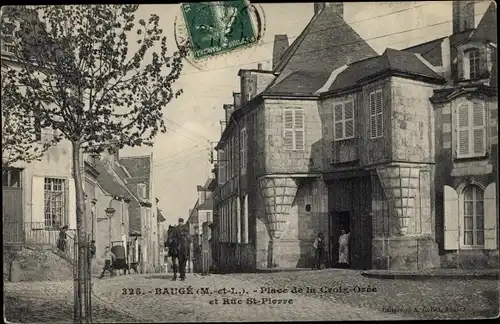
(395, 148)
(200, 218)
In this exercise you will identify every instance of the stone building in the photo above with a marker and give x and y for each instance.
(355, 140)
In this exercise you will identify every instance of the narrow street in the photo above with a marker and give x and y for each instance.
(345, 295)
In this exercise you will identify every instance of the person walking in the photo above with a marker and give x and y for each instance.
(344, 249)
(109, 257)
(319, 248)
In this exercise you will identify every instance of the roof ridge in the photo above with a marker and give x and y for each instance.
(135, 156)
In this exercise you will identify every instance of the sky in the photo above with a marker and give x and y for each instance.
(181, 155)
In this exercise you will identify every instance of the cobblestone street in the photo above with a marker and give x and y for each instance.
(117, 299)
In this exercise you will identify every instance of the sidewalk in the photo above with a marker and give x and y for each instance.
(492, 274)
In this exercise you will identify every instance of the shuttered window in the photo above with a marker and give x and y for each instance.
(473, 216)
(343, 120)
(376, 114)
(293, 123)
(471, 129)
(222, 163)
(243, 151)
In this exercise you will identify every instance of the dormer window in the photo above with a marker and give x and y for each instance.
(471, 64)
(141, 190)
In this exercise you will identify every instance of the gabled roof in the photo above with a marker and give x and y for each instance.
(391, 60)
(109, 182)
(138, 167)
(326, 44)
(487, 27)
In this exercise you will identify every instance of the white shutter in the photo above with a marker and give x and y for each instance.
(243, 150)
(379, 109)
(221, 162)
(349, 119)
(72, 204)
(338, 121)
(245, 229)
(288, 129)
(373, 116)
(479, 128)
(38, 201)
(466, 66)
(490, 217)
(299, 129)
(451, 219)
(238, 220)
(463, 130)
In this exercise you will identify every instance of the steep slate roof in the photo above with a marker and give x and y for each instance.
(326, 44)
(139, 168)
(161, 218)
(390, 60)
(487, 27)
(207, 205)
(109, 182)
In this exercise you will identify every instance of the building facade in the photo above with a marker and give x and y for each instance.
(398, 149)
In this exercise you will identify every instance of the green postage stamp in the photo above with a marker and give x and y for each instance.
(217, 27)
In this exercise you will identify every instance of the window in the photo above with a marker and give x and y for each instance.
(343, 120)
(293, 122)
(141, 190)
(222, 166)
(473, 216)
(376, 114)
(471, 130)
(471, 64)
(243, 151)
(11, 177)
(54, 202)
(233, 156)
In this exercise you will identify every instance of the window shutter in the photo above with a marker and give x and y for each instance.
(379, 107)
(490, 217)
(245, 220)
(288, 131)
(463, 130)
(338, 121)
(349, 119)
(461, 65)
(451, 219)
(38, 201)
(243, 150)
(483, 63)
(221, 162)
(373, 116)
(72, 204)
(299, 129)
(479, 128)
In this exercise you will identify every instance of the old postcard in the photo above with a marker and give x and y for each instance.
(238, 161)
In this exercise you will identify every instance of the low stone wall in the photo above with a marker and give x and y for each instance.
(474, 259)
(35, 264)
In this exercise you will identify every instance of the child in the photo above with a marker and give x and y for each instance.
(319, 246)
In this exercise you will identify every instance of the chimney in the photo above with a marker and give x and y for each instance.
(222, 126)
(279, 48)
(229, 108)
(259, 66)
(463, 16)
(338, 7)
(237, 99)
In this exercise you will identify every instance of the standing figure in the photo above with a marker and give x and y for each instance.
(344, 249)
(319, 246)
(178, 248)
(62, 240)
(109, 257)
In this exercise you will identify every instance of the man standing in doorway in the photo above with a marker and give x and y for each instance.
(319, 249)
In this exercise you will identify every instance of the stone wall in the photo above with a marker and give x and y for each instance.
(277, 159)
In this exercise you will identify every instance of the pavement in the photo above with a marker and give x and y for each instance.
(329, 294)
(433, 274)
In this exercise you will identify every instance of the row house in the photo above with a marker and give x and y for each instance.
(399, 149)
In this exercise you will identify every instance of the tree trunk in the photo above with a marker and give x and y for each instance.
(80, 232)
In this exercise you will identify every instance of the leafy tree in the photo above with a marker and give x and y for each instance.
(83, 79)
